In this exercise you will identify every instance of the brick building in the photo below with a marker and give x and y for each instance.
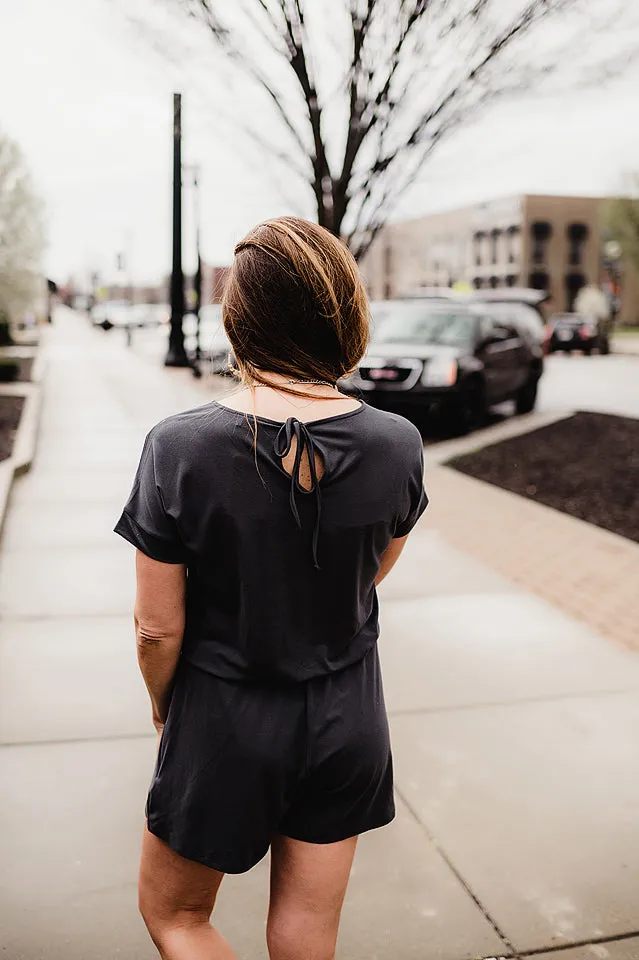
(546, 242)
(213, 283)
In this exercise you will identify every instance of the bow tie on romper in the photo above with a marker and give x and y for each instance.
(304, 442)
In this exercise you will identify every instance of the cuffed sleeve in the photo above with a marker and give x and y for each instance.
(416, 496)
(145, 521)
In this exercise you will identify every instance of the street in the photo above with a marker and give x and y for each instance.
(514, 726)
(608, 384)
(570, 382)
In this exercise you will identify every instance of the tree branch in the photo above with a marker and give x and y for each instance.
(294, 20)
(224, 38)
(415, 70)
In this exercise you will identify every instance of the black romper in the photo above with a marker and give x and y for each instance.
(277, 721)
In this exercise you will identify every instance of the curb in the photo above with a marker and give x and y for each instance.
(438, 454)
(7, 473)
(27, 433)
(24, 446)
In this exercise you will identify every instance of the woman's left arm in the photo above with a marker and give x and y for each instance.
(159, 628)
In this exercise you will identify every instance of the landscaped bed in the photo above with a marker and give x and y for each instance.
(10, 410)
(586, 466)
(16, 369)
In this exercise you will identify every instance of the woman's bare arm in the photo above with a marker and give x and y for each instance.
(390, 558)
(159, 627)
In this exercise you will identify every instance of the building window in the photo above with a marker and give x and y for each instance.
(541, 232)
(494, 282)
(574, 282)
(478, 240)
(494, 245)
(577, 235)
(478, 283)
(511, 280)
(539, 280)
(514, 244)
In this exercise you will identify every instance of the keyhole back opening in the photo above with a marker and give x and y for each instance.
(305, 478)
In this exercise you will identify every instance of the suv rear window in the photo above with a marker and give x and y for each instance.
(522, 317)
(418, 322)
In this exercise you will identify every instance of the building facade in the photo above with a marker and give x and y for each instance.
(213, 283)
(545, 242)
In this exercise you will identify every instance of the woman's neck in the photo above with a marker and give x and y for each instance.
(309, 386)
(311, 401)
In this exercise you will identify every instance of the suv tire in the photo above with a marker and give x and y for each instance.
(526, 397)
(468, 410)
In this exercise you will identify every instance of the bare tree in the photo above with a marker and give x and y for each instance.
(364, 91)
(21, 236)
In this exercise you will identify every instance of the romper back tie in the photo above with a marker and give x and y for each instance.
(304, 442)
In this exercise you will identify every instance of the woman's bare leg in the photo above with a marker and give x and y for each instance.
(176, 898)
(308, 885)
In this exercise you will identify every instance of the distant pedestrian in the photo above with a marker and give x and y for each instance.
(263, 525)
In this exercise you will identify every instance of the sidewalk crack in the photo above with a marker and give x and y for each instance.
(562, 947)
(513, 953)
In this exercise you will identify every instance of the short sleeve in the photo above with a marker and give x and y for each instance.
(416, 498)
(144, 521)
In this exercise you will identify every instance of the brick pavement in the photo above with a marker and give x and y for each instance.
(588, 572)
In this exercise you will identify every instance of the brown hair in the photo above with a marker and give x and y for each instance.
(295, 304)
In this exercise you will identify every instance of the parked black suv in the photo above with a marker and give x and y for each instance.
(460, 356)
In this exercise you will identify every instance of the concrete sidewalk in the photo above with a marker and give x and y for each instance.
(515, 729)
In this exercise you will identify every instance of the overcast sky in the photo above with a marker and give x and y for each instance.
(91, 106)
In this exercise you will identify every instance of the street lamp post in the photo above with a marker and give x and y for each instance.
(198, 271)
(176, 354)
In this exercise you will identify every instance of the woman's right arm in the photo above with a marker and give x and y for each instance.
(159, 628)
(390, 558)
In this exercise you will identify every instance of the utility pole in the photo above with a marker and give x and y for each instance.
(176, 354)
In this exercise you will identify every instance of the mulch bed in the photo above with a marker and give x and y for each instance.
(10, 410)
(586, 466)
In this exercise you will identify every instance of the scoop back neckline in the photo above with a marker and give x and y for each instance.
(280, 423)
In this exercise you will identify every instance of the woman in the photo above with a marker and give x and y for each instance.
(262, 526)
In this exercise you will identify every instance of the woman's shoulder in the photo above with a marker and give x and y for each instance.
(182, 430)
(392, 429)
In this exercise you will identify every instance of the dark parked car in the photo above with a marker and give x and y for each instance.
(575, 331)
(461, 357)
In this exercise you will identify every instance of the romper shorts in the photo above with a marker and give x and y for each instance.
(240, 762)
